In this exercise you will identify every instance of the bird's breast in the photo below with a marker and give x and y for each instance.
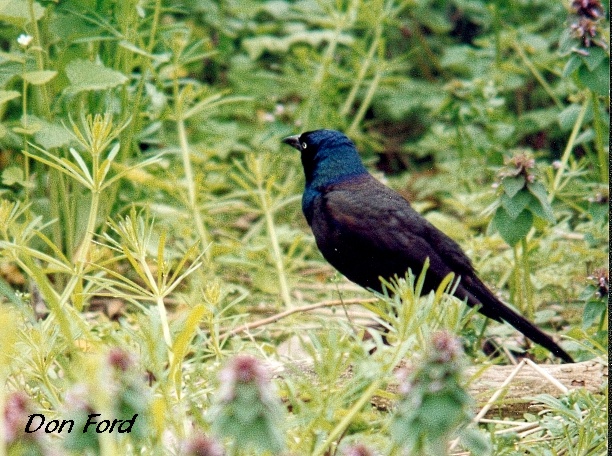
(334, 240)
(309, 201)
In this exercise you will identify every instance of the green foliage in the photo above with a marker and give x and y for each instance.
(566, 416)
(595, 298)
(522, 201)
(434, 402)
(585, 44)
(248, 410)
(146, 203)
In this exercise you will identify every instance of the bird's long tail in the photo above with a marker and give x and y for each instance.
(497, 310)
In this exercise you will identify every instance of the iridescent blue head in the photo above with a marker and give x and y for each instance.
(328, 157)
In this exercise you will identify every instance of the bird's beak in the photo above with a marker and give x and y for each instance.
(293, 141)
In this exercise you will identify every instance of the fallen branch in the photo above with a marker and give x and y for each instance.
(279, 316)
(503, 390)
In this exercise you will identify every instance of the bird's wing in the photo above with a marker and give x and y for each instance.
(382, 219)
(394, 237)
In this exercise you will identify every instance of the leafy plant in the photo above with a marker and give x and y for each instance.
(148, 211)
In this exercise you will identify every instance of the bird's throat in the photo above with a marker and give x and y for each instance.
(322, 171)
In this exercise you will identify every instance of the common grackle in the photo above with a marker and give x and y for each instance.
(368, 231)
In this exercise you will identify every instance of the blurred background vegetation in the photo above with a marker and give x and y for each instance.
(148, 204)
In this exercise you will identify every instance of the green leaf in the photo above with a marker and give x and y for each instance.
(567, 117)
(250, 421)
(542, 212)
(85, 75)
(181, 343)
(60, 164)
(160, 58)
(476, 441)
(82, 165)
(594, 58)
(573, 63)
(52, 135)
(541, 207)
(585, 137)
(512, 185)
(438, 21)
(8, 95)
(7, 291)
(18, 12)
(503, 131)
(512, 230)
(256, 46)
(537, 119)
(13, 175)
(538, 190)
(515, 205)
(39, 77)
(597, 80)
(588, 292)
(440, 414)
(409, 96)
(264, 280)
(592, 311)
(457, 56)
(79, 441)
(566, 42)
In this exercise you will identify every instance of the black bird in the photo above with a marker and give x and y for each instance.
(367, 231)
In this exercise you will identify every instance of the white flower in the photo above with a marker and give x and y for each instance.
(24, 40)
(268, 117)
(279, 109)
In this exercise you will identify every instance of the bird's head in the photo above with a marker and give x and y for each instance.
(328, 156)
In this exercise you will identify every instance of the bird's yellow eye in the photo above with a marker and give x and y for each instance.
(304, 145)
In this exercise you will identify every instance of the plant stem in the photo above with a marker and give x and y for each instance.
(568, 150)
(346, 421)
(40, 63)
(276, 250)
(342, 22)
(527, 288)
(190, 181)
(536, 73)
(82, 252)
(497, 31)
(350, 99)
(56, 303)
(154, 25)
(328, 56)
(163, 315)
(432, 60)
(602, 322)
(365, 104)
(156, 288)
(602, 157)
(191, 186)
(515, 292)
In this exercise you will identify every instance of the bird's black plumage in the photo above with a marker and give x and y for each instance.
(367, 231)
